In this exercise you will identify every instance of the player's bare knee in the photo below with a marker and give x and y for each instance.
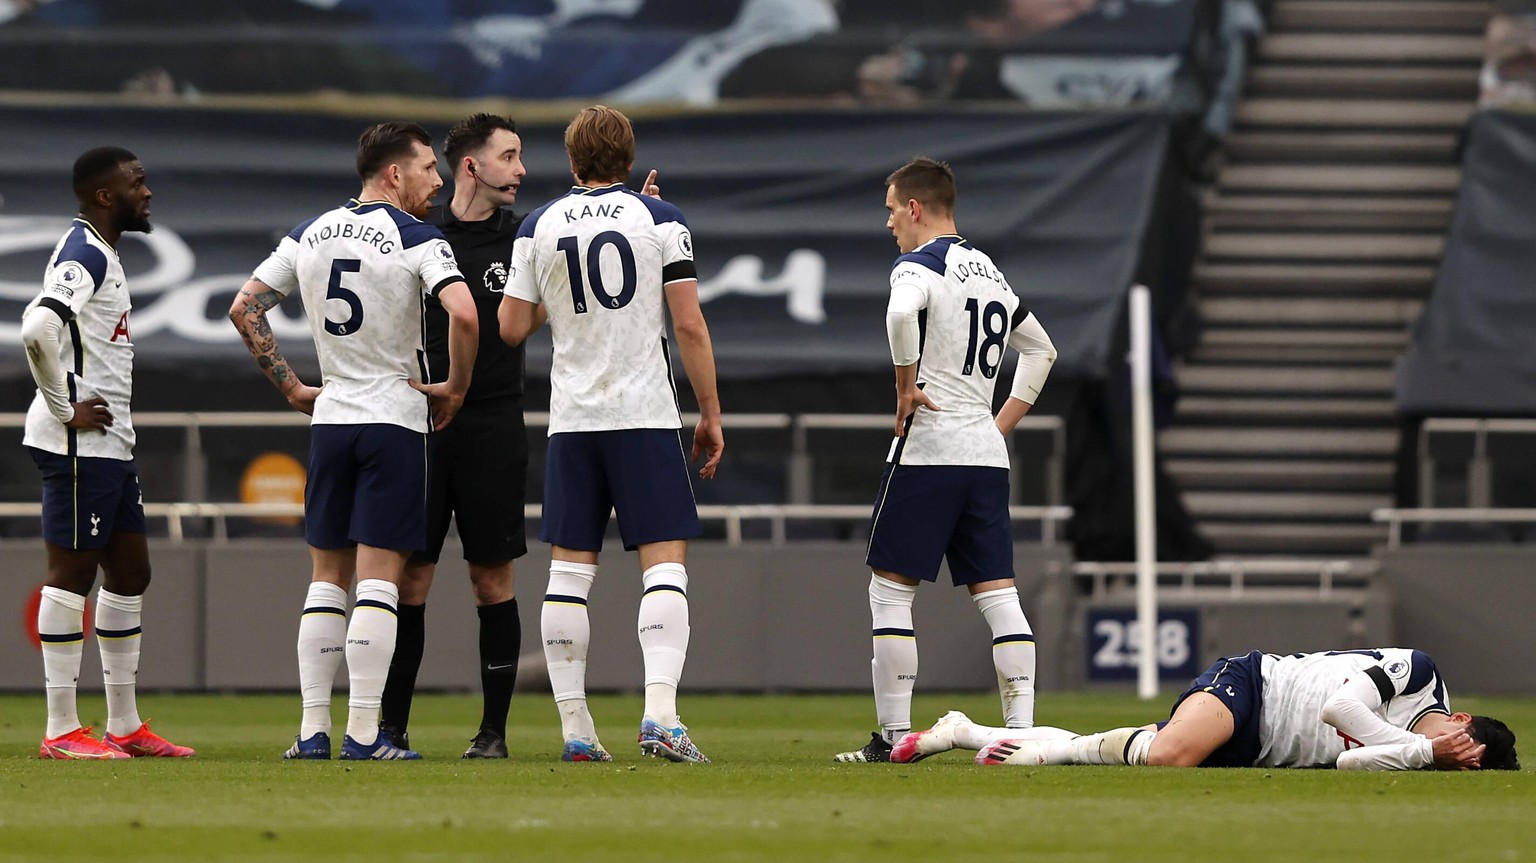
(492, 584)
(1172, 751)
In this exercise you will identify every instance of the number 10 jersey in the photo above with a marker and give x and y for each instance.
(364, 271)
(598, 259)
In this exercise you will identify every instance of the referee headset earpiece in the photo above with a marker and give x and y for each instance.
(476, 175)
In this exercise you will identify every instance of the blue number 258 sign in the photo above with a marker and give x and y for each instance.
(1114, 643)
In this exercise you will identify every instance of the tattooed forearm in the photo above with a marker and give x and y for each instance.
(250, 318)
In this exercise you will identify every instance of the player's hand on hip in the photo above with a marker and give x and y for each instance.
(649, 187)
(1456, 750)
(709, 440)
(302, 399)
(444, 401)
(91, 415)
(907, 404)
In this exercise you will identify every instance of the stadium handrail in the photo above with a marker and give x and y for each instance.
(800, 458)
(733, 515)
(1188, 574)
(1479, 467)
(1395, 517)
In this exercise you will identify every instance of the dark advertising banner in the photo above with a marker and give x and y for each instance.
(787, 213)
(1046, 52)
(1471, 349)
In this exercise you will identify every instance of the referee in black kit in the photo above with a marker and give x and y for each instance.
(479, 463)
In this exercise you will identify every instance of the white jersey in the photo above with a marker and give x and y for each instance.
(364, 271)
(1291, 728)
(598, 260)
(967, 316)
(84, 282)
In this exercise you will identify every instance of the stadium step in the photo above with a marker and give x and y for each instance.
(1393, 15)
(1288, 278)
(1388, 312)
(1451, 114)
(1235, 210)
(1295, 538)
(1319, 380)
(1360, 475)
(1437, 179)
(1286, 80)
(1197, 409)
(1324, 146)
(1281, 339)
(1277, 442)
(1353, 48)
(1331, 246)
(1320, 505)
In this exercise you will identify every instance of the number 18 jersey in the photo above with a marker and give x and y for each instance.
(967, 315)
(598, 260)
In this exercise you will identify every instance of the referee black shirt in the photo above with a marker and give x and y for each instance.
(483, 250)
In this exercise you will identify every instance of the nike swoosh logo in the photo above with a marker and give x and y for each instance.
(501, 667)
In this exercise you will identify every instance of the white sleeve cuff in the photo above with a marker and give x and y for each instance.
(1036, 356)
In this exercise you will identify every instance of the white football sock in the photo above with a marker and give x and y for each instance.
(567, 633)
(117, 635)
(894, 667)
(61, 626)
(1116, 746)
(322, 645)
(1013, 652)
(664, 638)
(969, 735)
(370, 647)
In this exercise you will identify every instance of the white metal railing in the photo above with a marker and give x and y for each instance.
(1186, 577)
(734, 517)
(799, 469)
(1395, 518)
(1479, 465)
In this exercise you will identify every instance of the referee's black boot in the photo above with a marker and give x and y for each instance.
(487, 744)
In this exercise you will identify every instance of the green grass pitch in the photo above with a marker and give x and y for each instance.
(773, 794)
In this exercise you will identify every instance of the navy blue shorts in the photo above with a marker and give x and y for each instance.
(1238, 681)
(925, 514)
(478, 477)
(641, 475)
(86, 500)
(367, 484)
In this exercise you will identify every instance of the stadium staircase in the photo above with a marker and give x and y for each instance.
(1323, 232)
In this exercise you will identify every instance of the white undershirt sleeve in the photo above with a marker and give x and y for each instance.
(1417, 754)
(901, 323)
(40, 329)
(1352, 710)
(1036, 356)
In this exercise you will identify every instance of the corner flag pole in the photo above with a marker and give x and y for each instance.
(1145, 494)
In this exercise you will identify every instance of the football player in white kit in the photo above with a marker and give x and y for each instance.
(944, 494)
(80, 433)
(364, 270)
(606, 265)
(1380, 709)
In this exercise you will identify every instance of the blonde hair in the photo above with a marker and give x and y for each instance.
(601, 143)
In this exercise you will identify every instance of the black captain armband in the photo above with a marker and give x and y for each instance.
(678, 271)
(1383, 683)
(58, 307)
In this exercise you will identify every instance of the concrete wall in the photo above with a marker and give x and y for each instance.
(1469, 606)
(223, 616)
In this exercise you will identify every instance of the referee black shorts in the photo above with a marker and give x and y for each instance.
(478, 476)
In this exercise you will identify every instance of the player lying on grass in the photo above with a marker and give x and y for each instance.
(1383, 709)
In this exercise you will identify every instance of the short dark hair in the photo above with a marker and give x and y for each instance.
(94, 165)
(1500, 754)
(931, 182)
(385, 143)
(601, 143)
(471, 133)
